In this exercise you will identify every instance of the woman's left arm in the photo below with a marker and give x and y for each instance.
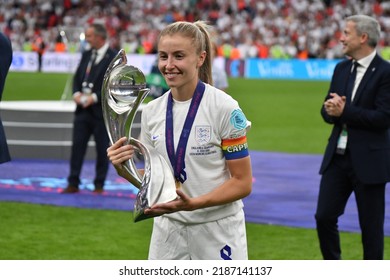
(238, 186)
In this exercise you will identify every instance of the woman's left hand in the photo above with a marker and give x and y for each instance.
(182, 203)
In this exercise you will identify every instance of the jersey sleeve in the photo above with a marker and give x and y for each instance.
(234, 127)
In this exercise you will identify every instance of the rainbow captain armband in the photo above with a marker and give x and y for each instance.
(235, 148)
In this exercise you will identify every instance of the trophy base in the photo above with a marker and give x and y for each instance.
(140, 216)
(158, 185)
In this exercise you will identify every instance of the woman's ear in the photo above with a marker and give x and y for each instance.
(201, 59)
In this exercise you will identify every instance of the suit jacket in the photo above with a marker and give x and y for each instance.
(5, 63)
(367, 119)
(96, 77)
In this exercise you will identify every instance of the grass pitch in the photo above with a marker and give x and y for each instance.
(41, 232)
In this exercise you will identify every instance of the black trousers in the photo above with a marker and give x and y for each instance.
(85, 125)
(337, 184)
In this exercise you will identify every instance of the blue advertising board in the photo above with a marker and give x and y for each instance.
(252, 68)
(294, 69)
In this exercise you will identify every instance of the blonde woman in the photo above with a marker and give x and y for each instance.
(201, 131)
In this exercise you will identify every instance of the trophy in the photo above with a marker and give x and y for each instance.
(123, 90)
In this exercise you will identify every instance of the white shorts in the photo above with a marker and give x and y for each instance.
(224, 239)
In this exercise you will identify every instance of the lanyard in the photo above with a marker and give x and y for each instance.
(177, 160)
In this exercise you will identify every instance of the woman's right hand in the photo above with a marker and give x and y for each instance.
(119, 152)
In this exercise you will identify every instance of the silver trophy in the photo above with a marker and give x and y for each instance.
(124, 89)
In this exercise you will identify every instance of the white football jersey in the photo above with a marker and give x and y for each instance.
(217, 134)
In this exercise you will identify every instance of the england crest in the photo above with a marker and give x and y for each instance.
(203, 134)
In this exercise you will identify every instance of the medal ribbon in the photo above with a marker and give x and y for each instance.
(177, 160)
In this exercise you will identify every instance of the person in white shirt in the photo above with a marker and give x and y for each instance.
(220, 79)
(206, 220)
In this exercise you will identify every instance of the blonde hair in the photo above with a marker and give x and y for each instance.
(198, 32)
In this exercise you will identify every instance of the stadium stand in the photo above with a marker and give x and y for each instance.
(244, 28)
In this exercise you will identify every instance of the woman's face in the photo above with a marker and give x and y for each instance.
(178, 61)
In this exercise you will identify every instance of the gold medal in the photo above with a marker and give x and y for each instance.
(178, 184)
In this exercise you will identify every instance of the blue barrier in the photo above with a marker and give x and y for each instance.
(252, 68)
(294, 69)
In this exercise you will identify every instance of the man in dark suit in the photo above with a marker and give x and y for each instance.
(5, 63)
(357, 157)
(88, 120)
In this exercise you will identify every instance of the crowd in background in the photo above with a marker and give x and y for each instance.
(242, 28)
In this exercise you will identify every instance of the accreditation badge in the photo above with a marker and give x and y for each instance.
(342, 141)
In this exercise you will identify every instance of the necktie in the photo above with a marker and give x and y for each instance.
(343, 138)
(351, 80)
(90, 64)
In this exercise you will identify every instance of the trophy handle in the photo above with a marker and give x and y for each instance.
(157, 175)
(123, 91)
(122, 94)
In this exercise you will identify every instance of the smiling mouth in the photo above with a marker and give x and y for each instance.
(171, 75)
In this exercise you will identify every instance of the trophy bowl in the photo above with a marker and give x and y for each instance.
(125, 84)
